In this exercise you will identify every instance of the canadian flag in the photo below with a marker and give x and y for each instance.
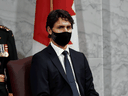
(43, 8)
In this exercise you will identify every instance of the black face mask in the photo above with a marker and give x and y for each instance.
(61, 39)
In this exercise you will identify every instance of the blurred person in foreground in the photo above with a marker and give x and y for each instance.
(59, 70)
(7, 52)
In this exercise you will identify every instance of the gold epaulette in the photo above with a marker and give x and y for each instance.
(4, 27)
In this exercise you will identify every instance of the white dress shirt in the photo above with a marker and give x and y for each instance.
(59, 52)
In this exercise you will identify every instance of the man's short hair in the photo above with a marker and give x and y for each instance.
(55, 15)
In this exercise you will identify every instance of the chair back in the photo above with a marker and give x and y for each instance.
(19, 73)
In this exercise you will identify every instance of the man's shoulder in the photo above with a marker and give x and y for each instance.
(76, 54)
(41, 53)
(74, 51)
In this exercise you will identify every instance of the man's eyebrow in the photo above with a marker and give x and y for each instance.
(60, 26)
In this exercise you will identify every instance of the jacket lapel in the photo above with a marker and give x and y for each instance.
(53, 56)
(75, 63)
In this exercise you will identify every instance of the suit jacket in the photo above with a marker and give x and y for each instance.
(6, 37)
(49, 79)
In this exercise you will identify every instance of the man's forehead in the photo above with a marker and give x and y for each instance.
(63, 21)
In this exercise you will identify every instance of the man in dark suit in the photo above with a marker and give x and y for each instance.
(59, 70)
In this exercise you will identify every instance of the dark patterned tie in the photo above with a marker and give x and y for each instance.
(70, 74)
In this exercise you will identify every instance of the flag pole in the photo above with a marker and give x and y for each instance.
(51, 5)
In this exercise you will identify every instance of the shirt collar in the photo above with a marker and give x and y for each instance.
(59, 50)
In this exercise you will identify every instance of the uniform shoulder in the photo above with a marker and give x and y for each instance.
(4, 28)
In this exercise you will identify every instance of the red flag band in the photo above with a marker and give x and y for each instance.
(65, 5)
(42, 11)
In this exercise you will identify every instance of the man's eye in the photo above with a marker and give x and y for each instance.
(60, 27)
(68, 27)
